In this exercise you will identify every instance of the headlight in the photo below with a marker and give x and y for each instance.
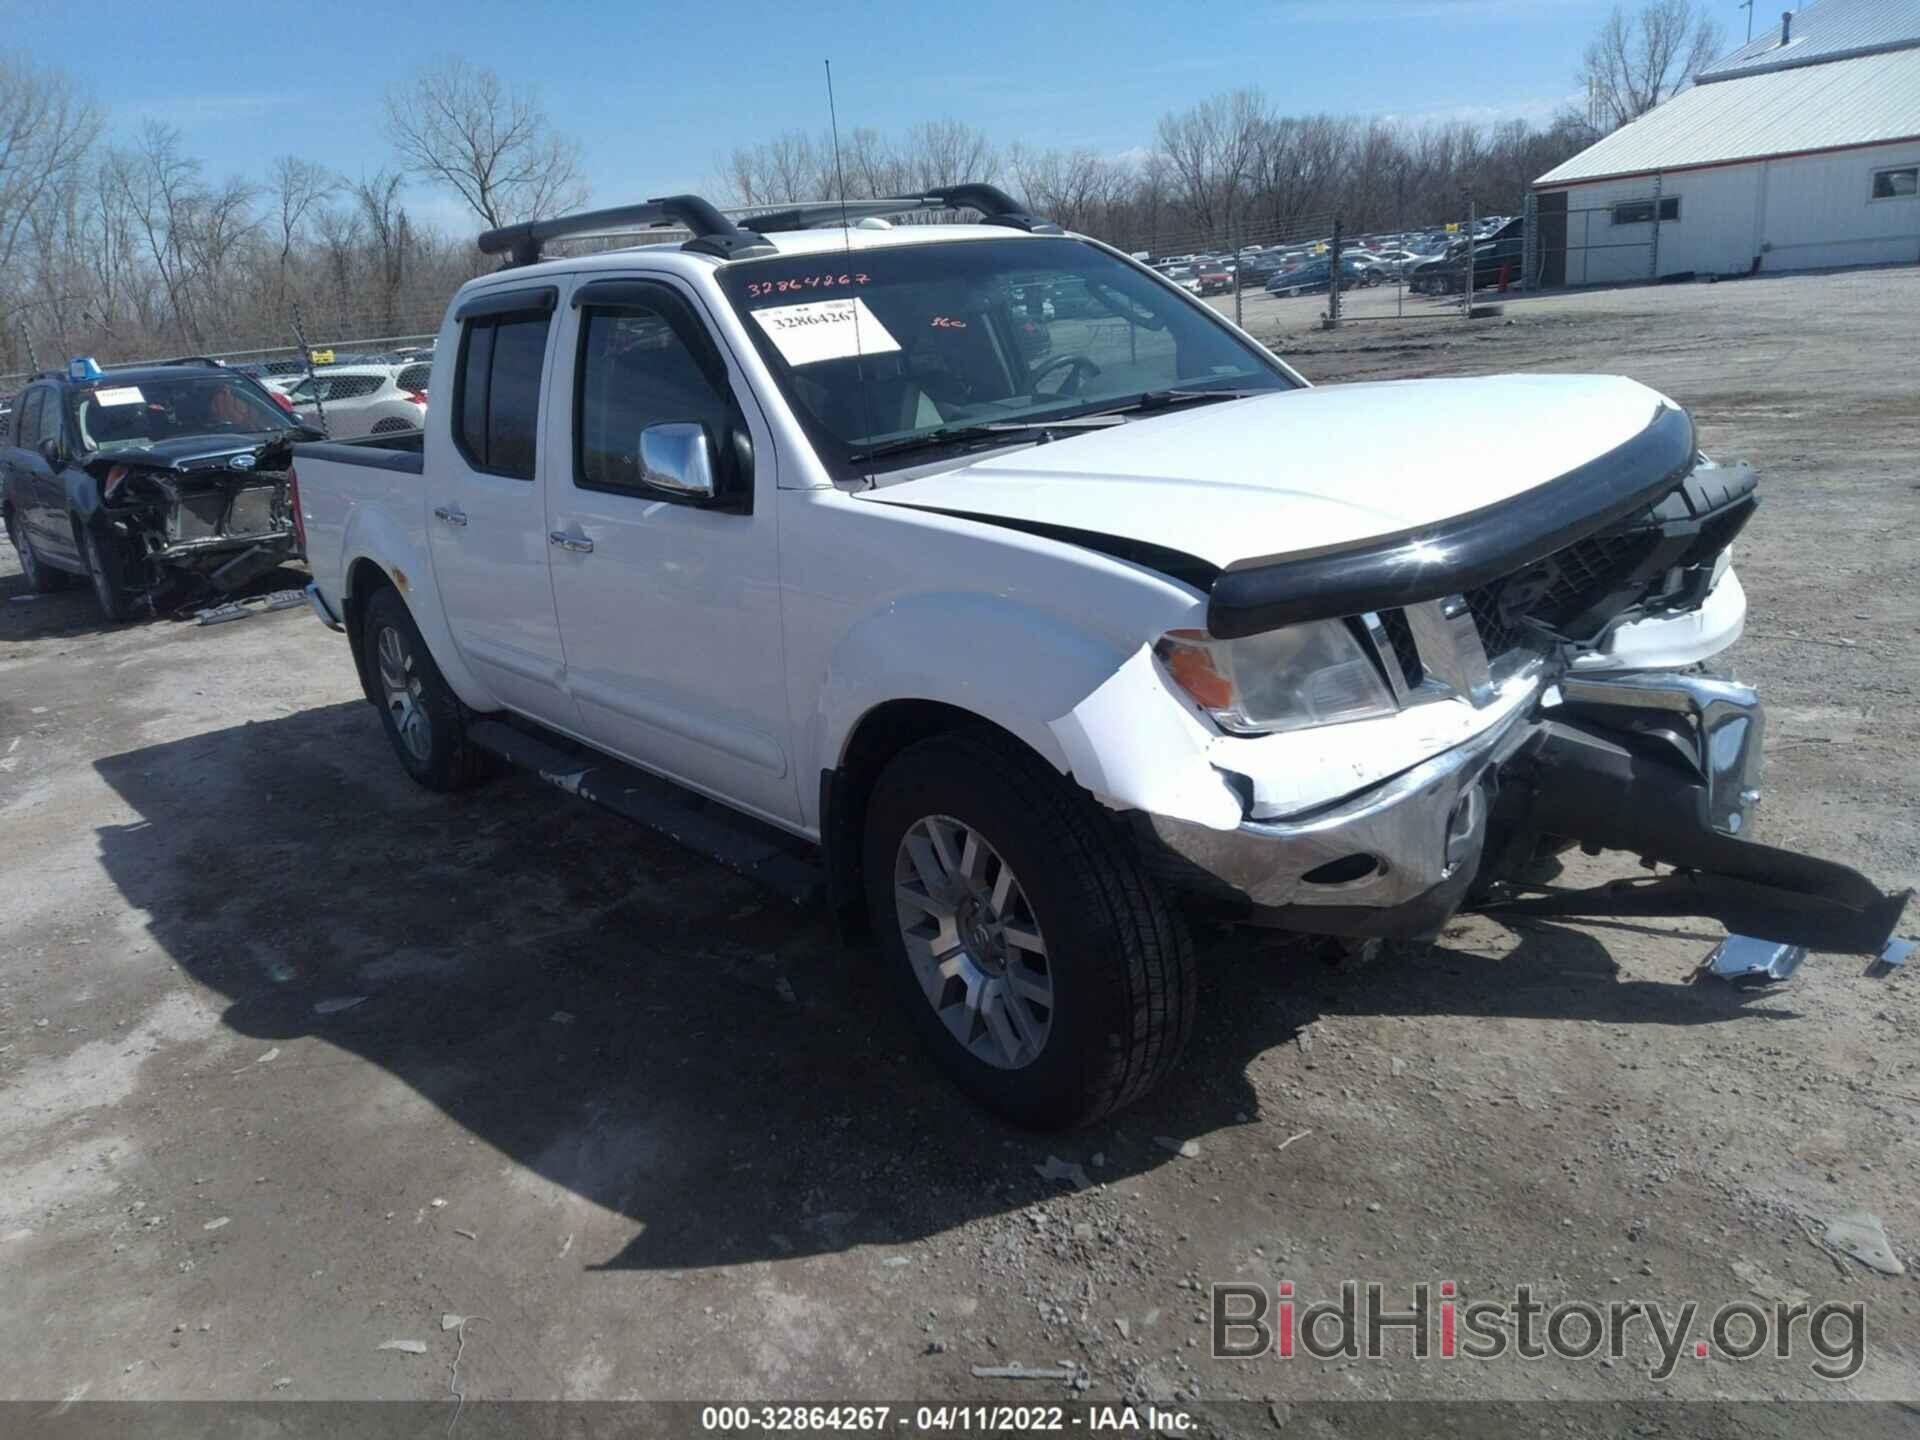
(1289, 679)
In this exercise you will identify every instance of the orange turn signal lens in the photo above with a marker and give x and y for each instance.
(1189, 658)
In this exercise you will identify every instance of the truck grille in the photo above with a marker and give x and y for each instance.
(1560, 590)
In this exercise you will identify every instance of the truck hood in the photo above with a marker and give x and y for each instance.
(1300, 471)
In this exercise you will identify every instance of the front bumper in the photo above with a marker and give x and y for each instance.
(1662, 765)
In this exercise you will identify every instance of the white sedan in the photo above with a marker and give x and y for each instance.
(350, 400)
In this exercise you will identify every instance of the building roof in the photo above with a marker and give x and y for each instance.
(1836, 104)
(1823, 31)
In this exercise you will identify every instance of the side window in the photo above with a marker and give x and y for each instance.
(30, 419)
(497, 392)
(414, 377)
(637, 368)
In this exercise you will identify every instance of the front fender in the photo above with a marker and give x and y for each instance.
(372, 535)
(1090, 708)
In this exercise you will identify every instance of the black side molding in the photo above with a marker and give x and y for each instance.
(1460, 554)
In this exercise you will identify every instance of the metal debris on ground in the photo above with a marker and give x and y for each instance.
(1058, 1169)
(452, 1322)
(216, 1224)
(334, 1007)
(252, 605)
(1861, 1236)
(1892, 958)
(1744, 960)
(273, 1054)
(467, 1234)
(1062, 1372)
(405, 1347)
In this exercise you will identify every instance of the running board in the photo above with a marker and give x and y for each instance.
(783, 863)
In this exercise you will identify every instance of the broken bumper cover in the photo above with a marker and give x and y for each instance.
(1661, 765)
(1393, 860)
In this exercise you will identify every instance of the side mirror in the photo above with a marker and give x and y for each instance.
(50, 451)
(676, 458)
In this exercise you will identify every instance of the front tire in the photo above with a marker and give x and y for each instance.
(423, 718)
(106, 568)
(1039, 962)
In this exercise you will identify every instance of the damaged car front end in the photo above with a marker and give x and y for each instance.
(192, 515)
(1509, 685)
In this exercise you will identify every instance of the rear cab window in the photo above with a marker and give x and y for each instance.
(496, 400)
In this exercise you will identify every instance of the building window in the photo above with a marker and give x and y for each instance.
(1901, 184)
(1640, 212)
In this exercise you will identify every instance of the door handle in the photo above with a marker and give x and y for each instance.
(450, 515)
(577, 543)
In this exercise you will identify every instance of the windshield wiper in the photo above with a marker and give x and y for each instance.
(996, 431)
(1166, 399)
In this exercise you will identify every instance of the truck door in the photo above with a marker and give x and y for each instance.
(485, 513)
(670, 604)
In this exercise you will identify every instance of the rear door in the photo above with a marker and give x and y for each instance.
(486, 516)
(670, 606)
(40, 496)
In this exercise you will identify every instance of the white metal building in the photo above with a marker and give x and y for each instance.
(1799, 150)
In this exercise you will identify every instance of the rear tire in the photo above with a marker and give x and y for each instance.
(1039, 962)
(106, 568)
(41, 577)
(424, 719)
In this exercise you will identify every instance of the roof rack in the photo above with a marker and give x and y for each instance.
(994, 204)
(715, 234)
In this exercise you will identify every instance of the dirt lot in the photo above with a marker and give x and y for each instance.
(666, 1138)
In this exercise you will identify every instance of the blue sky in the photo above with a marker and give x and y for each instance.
(657, 93)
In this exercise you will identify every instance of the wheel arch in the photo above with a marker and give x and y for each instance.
(877, 737)
(365, 579)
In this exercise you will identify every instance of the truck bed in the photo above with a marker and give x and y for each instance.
(401, 451)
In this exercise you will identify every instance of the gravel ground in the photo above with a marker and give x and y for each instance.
(296, 1059)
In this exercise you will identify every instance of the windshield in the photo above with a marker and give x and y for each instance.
(117, 415)
(887, 345)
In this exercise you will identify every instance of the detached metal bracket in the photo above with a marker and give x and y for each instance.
(1892, 958)
(1745, 960)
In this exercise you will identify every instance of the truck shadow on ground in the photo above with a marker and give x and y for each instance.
(652, 1033)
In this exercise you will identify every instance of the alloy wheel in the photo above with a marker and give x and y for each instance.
(973, 941)
(401, 689)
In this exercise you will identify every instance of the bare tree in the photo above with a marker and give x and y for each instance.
(299, 187)
(47, 129)
(378, 200)
(1639, 60)
(463, 128)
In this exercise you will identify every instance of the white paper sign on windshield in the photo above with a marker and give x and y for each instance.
(825, 330)
(121, 395)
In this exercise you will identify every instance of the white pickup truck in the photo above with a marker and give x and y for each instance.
(980, 581)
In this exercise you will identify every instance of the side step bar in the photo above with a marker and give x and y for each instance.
(783, 863)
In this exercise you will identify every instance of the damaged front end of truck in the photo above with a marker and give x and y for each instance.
(185, 520)
(1557, 626)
